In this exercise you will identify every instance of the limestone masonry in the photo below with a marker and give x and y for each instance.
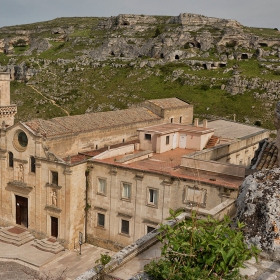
(113, 176)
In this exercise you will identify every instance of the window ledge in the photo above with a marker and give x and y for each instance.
(124, 234)
(53, 186)
(126, 199)
(152, 205)
(100, 227)
(99, 193)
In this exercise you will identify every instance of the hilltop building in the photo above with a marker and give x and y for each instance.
(114, 175)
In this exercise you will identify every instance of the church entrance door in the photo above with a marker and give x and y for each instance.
(54, 227)
(22, 211)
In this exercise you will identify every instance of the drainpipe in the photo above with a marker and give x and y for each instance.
(86, 200)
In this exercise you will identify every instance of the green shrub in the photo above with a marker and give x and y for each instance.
(201, 249)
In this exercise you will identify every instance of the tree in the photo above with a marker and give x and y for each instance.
(201, 249)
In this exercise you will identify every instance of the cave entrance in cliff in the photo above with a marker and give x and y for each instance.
(263, 44)
(205, 66)
(198, 45)
(126, 23)
(161, 55)
(177, 56)
(222, 65)
(191, 44)
(244, 56)
(112, 53)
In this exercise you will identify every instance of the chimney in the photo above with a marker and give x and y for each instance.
(205, 123)
(196, 122)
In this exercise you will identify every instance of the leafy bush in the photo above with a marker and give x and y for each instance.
(201, 249)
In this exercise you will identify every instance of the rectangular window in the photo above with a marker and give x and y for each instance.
(180, 119)
(54, 177)
(148, 137)
(125, 227)
(153, 196)
(126, 190)
(11, 159)
(167, 140)
(171, 120)
(100, 220)
(149, 229)
(32, 164)
(102, 185)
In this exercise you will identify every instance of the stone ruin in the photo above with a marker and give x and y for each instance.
(258, 205)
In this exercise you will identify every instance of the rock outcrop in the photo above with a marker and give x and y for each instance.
(258, 206)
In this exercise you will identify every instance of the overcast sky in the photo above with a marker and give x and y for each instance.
(257, 13)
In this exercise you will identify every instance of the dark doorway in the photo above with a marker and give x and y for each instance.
(244, 56)
(22, 211)
(54, 227)
(177, 56)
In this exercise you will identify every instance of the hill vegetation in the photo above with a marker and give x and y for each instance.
(78, 65)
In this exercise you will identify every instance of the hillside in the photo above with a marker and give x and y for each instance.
(77, 65)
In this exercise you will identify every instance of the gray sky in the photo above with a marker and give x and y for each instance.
(257, 13)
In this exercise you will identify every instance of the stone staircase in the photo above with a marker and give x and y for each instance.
(15, 235)
(48, 245)
(212, 142)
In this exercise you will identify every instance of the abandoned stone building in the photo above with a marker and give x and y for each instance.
(114, 175)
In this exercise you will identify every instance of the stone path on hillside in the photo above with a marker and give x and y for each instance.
(49, 99)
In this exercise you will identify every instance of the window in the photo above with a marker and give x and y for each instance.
(167, 140)
(22, 139)
(180, 119)
(125, 227)
(148, 137)
(100, 220)
(54, 177)
(102, 185)
(11, 159)
(195, 196)
(149, 229)
(126, 190)
(171, 120)
(32, 164)
(153, 196)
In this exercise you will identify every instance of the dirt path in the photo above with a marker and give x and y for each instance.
(49, 99)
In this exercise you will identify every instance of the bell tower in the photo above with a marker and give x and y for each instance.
(7, 111)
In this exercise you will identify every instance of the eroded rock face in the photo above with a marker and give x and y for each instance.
(258, 206)
(277, 126)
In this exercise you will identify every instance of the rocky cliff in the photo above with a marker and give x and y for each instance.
(76, 62)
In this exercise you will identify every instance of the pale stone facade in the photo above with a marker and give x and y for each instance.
(98, 175)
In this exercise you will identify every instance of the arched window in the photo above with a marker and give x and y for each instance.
(11, 159)
(32, 164)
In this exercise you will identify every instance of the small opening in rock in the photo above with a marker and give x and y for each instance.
(176, 56)
(112, 53)
(263, 44)
(244, 56)
(161, 55)
(222, 65)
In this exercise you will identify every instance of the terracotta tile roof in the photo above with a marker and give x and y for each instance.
(166, 103)
(90, 122)
(168, 163)
(266, 156)
(173, 127)
(89, 154)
